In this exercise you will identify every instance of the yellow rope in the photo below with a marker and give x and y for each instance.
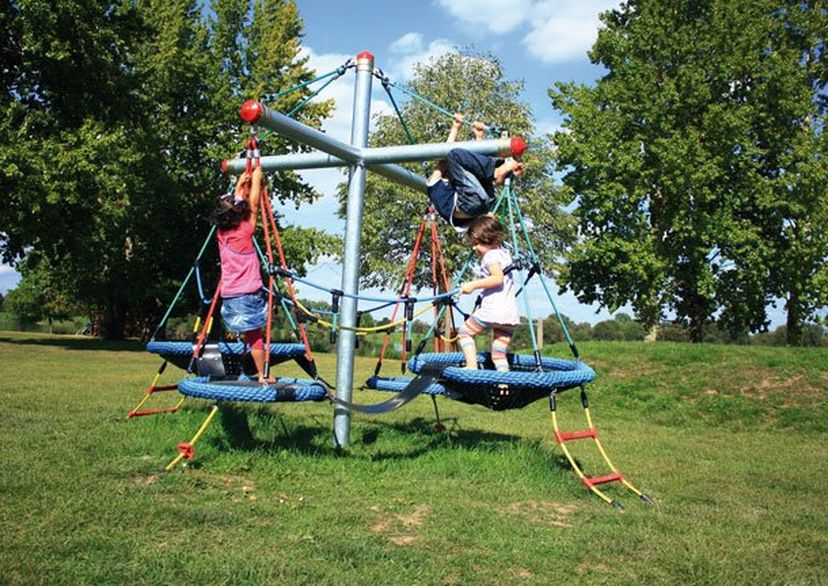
(192, 442)
(360, 330)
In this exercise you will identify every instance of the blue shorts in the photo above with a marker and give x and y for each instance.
(244, 313)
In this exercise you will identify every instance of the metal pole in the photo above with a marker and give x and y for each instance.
(503, 147)
(350, 268)
(255, 112)
(319, 160)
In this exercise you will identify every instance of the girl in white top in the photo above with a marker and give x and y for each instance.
(498, 311)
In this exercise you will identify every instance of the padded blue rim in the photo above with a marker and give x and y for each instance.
(296, 389)
(234, 348)
(556, 373)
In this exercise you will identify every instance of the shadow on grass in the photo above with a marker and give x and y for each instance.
(419, 435)
(70, 343)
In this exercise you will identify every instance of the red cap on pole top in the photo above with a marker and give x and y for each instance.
(517, 145)
(224, 166)
(250, 111)
(365, 55)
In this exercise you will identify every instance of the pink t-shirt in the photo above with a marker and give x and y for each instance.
(241, 272)
(499, 305)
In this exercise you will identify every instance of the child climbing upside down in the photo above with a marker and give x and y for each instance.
(462, 185)
(243, 307)
(498, 310)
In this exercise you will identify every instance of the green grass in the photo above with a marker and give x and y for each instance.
(730, 440)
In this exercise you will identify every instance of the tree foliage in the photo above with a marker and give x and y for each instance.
(112, 123)
(696, 158)
(475, 85)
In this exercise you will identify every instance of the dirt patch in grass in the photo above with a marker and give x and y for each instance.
(540, 512)
(400, 528)
(144, 479)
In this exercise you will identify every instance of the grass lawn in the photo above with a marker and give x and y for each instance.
(731, 441)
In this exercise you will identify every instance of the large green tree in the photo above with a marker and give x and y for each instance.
(114, 118)
(475, 85)
(676, 154)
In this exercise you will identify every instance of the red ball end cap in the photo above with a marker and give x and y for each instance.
(517, 146)
(365, 55)
(224, 166)
(250, 111)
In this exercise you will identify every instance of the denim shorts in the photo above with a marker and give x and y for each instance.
(244, 313)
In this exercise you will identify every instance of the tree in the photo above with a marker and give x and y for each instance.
(797, 223)
(114, 118)
(39, 295)
(675, 156)
(474, 84)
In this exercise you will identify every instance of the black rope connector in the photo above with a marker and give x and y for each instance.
(276, 271)
(304, 318)
(409, 318)
(420, 347)
(409, 308)
(358, 325)
(336, 295)
(584, 400)
(574, 350)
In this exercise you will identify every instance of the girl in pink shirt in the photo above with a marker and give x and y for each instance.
(243, 306)
(498, 310)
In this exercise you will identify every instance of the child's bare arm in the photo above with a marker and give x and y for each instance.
(255, 194)
(495, 279)
(455, 127)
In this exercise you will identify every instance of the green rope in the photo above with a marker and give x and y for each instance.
(184, 283)
(282, 301)
(535, 260)
(337, 73)
(511, 204)
(489, 130)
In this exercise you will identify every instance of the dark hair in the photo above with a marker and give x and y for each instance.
(228, 213)
(486, 230)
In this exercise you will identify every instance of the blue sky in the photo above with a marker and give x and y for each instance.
(538, 41)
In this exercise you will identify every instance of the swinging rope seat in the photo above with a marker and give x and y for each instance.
(521, 385)
(233, 354)
(285, 389)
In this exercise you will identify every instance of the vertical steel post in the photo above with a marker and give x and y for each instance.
(353, 229)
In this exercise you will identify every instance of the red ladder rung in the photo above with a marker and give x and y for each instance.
(132, 414)
(602, 479)
(563, 436)
(163, 388)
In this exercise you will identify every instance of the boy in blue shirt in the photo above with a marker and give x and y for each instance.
(462, 186)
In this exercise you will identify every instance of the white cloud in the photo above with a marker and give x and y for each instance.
(410, 54)
(492, 16)
(562, 31)
(408, 43)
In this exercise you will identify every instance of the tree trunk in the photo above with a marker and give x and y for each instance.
(652, 335)
(697, 317)
(114, 322)
(794, 321)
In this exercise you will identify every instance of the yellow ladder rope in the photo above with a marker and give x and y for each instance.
(187, 448)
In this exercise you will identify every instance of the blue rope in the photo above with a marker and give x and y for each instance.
(184, 283)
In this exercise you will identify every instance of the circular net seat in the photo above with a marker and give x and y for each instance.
(236, 360)
(521, 385)
(285, 389)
